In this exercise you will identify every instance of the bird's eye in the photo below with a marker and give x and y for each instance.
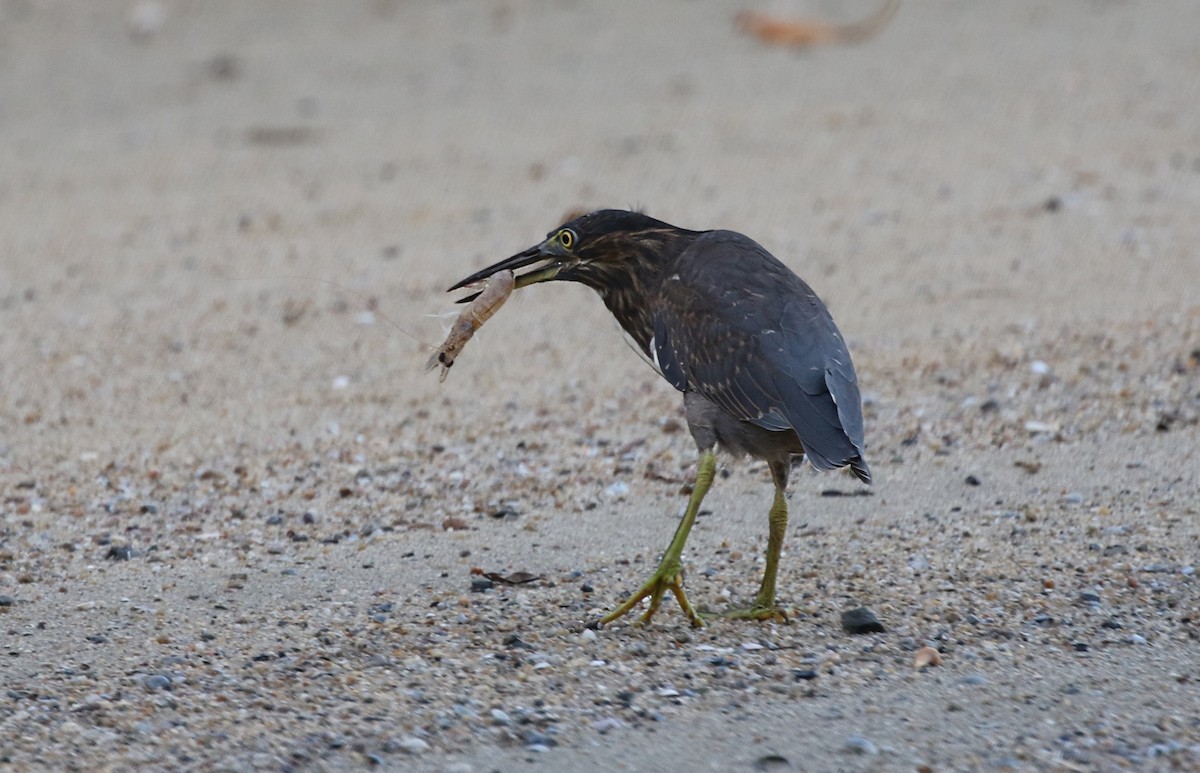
(566, 237)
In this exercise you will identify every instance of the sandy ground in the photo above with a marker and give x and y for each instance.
(239, 522)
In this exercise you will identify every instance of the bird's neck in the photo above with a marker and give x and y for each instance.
(632, 285)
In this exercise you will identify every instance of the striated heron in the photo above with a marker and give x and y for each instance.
(762, 366)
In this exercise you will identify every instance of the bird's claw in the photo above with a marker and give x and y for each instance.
(668, 576)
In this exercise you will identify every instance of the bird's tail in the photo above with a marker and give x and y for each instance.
(859, 467)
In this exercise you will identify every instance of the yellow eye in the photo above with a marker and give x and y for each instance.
(566, 237)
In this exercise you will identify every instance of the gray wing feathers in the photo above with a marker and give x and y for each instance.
(737, 326)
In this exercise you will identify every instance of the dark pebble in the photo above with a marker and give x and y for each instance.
(1080, 646)
(514, 641)
(586, 588)
(1111, 624)
(122, 552)
(7, 601)
(971, 480)
(804, 674)
(861, 620)
(480, 584)
(772, 762)
(1089, 598)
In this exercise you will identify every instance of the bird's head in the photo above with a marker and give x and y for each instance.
(610, 250)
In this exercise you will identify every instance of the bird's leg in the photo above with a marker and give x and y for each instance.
(669, 574)
(764, 603)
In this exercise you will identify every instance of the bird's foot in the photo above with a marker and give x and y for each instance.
(757, 612)
(668, 576)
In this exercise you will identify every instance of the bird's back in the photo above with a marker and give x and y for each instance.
(735, 324)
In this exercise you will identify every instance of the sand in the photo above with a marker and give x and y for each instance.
(240, 522)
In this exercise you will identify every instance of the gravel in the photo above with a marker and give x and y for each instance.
(239, 530)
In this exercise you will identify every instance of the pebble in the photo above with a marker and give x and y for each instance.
(412, 745)
(927, 656)
(500, 717)
(860, 621)
(856, 744)
(618, 489)
(156, 682)
(918, 563)
(606, 724)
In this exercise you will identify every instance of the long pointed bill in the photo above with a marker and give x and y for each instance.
(522, 259)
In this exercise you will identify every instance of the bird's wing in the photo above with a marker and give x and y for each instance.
(737, 326)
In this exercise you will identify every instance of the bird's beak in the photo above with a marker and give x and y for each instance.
(552, 263)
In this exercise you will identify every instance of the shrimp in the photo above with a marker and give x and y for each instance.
(478, 311)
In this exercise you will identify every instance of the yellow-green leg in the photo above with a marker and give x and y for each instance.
(764, 604)
(669, 574)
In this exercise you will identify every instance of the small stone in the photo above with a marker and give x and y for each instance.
(860, 621)
(769, 763)
(6, 601)
(119, 550)
(412, 745)
(856, 744)
(618, 489)
(804, 674)
(500, 717)
(974, 680)
(1088, 598)
(603, 726)
(918, 563)
(927, 656)
(156, 682)
(1072, 498)
(971, 480)
(481, 584)
(588, 635)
